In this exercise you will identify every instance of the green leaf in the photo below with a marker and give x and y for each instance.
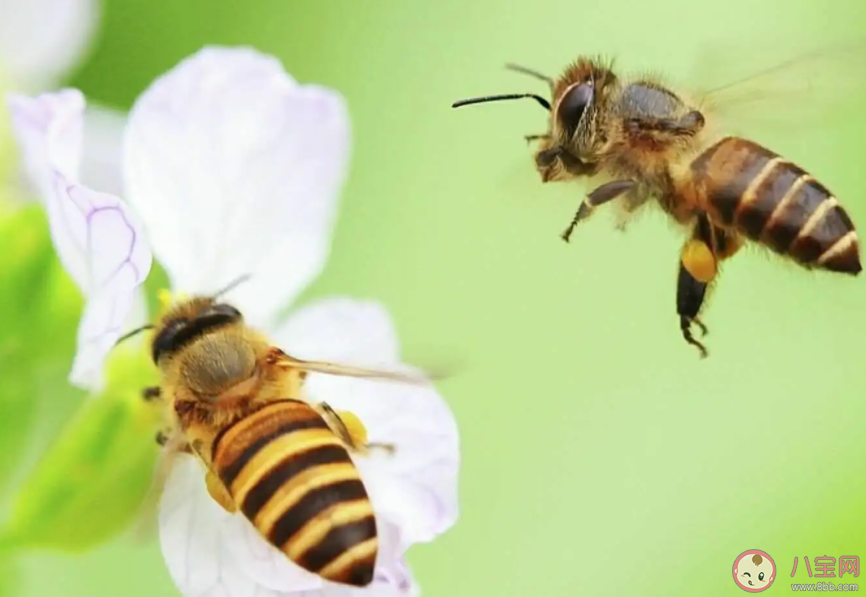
(92, 482)
(39, 341)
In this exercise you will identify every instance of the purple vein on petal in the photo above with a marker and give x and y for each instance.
(128, 259)
(87, 208)
(89, 211)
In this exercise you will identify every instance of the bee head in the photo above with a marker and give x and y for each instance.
(188, 321)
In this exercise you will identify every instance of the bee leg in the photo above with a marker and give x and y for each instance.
(217, 490)
(352, 438)
(348, 427)
(700, 259)
(531, 138)
(698, 268)
(384, 447)
(161, 438)
(164, 436)
(152, 393)
(690, 298)
(598, 196)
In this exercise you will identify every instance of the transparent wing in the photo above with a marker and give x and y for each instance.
(769, 85)
(402, 374)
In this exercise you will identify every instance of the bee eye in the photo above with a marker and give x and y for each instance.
(167, 338)
(180, 332)
(761, 576)
(222, 309)
(573, 105)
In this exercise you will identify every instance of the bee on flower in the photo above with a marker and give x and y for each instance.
(233, 168)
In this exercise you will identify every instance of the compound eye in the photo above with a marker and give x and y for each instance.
(221, 309)
(573, 105)
(165, 342)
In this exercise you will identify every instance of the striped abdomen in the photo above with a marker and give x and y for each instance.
(293, 479)
(777, 204)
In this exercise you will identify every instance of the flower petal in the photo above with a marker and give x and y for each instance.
(106, 316)
(190, 528)
(40, 40)
(103, 147)
(211, 553)
(415, 488)
(98, 231)
(227, 140)
(97, 237)
(49, 130)
(341, 329)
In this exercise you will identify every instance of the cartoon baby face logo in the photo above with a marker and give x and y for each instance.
(754, 570)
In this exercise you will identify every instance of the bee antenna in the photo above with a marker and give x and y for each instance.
(495, 98)
(232, 285)
(530, 72)
(135, 332)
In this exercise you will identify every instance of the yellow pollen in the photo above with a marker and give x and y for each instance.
(699, 261)
(167, 299)
(354, 426)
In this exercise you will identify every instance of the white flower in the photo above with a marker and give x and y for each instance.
(41, 41)
(98, 238)
(236, 169)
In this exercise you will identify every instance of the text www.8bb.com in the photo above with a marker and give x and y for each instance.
(825, 586)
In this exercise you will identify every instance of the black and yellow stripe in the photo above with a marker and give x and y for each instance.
(295, 481)
(777, 204)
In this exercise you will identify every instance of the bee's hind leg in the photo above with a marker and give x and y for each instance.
(351, 431)
(690, 298)
(700, 258)
(698, 268)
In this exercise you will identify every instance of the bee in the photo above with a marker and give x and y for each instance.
(236, 402)
(645, 141)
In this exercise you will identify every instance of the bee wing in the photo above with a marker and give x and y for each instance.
(747, 85)
(408, 375)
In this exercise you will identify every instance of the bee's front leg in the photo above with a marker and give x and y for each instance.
(152, 393)
(598, 196)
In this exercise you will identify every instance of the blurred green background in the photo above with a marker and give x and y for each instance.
(601, 456)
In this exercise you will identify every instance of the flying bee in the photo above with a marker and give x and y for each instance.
(644, 141)
(236, 402)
